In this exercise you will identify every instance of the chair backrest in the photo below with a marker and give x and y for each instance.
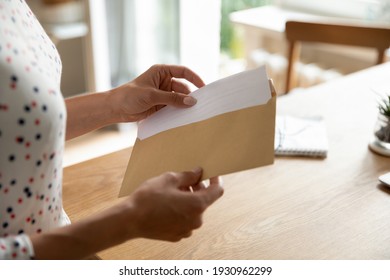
(296, 32)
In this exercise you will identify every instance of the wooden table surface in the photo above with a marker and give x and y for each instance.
(298, 208)
(272, 19)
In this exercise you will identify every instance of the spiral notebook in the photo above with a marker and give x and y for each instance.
(296, 136)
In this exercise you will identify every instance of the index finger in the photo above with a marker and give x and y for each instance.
(183, 72)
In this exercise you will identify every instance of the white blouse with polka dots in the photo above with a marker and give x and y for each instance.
(32, 128)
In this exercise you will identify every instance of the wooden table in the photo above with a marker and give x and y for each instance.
(298, 208)
(272, 19)
(263, 28)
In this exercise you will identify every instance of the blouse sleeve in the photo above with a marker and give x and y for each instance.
(17, 247)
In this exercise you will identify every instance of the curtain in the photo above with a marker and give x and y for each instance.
(141, 33)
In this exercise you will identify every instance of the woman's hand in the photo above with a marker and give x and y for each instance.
(152, 90)
(169, 207)
(134, 101)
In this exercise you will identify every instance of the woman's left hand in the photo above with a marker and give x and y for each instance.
(157, 87)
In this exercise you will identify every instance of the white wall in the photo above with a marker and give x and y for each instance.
(96, 47)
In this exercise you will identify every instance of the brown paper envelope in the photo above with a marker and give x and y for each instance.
(223, 144)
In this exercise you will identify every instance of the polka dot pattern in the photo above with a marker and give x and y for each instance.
(16, 247)
(32, 129)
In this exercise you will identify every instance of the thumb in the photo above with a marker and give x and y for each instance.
(213, 191)
(176, 99)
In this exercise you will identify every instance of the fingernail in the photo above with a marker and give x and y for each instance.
(189, 100)
(197, 170)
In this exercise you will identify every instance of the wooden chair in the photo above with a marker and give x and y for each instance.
(296, 32)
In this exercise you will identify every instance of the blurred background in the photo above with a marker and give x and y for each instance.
(104, 43)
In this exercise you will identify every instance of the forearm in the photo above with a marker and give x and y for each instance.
(88, 112)
(134, 101)
(85, 238)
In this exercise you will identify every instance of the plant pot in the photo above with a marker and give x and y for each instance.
(381, 140)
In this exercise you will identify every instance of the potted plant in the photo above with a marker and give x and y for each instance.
(383, 132)
(381, 142)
